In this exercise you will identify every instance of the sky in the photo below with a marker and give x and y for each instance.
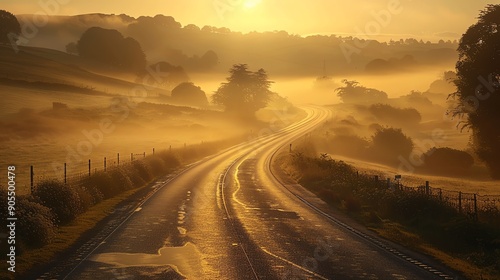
(378, 19)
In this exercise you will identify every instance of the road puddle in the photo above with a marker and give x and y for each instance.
(185, 260)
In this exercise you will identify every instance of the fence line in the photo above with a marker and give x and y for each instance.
(469, 204)
(74, 174)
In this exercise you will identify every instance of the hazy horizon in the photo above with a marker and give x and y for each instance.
(393, 19)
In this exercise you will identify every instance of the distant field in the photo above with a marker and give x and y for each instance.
(482, 187)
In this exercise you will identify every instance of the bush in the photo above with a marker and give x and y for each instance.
(61, 199)
(101, 185)
(170, 159)
(447, 161)
(37, 227)
(189, 94)
(156, 165)
(142, 170)
(395, 116)
(389, 144)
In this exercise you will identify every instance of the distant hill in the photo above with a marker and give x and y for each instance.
(51, 67)
(209, 49)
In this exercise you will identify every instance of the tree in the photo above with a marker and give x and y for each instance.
(389, 144)
(10, 29)
(478, 86)
(110, 47)
(72, 48)
(189, 94)
(352, 92)
(171, 75)
(245, 92)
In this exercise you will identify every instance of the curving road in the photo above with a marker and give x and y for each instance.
(231, 217)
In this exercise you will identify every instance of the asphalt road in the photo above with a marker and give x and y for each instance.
(229, 217)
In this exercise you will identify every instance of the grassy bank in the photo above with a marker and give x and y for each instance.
(410, 218)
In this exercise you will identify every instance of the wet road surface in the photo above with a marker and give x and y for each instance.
(229, 217)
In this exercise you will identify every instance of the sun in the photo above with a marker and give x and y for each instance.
(249, 4)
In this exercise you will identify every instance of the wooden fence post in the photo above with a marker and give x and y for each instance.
(427, 188)
(153, 151)
(90, 167)
(118, 159)
(65, 173)
(104, 164)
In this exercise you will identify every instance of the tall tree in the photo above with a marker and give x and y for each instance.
(10, 29)
(245, 92)
(478, 87)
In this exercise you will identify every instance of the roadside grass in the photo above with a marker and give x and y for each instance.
(91, 203)
(408, 218)
(69, 234)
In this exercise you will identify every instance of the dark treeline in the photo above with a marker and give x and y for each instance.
(211, 48)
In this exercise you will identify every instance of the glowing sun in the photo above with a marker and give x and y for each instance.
(249, 4)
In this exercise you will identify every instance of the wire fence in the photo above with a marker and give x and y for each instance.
(75, 172)
(473, 205)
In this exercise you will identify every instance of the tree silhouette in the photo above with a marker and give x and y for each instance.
(388, 144)
(189, 94)
(110, 47)
(478, 87)
(10, 29)
(245, 92)
(352, 92)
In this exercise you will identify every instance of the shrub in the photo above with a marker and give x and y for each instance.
(121, 180)
(351, 204)
(156, 165)
(170, 159)
(37, 227)
(142, 170)
(101, 185)
(388, 144)
(395, 116)
(447, 161)
(61, 199)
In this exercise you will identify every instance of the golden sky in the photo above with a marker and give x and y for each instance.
(427, 19)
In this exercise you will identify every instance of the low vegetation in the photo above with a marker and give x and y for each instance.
(436, 226)
(52, 213)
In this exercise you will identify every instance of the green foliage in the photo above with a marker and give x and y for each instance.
(352, 92)
(110, 47)
(447, 161)
(478, 86)
(10, 29)
(245, 92)
(60, 198)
